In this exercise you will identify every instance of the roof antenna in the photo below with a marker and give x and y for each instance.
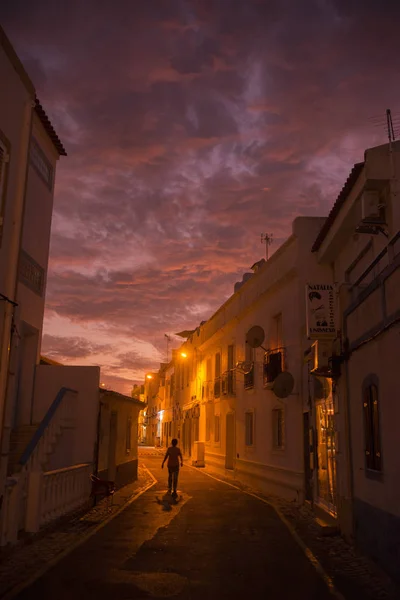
(389, 123)
(392, 138)
(266, 238)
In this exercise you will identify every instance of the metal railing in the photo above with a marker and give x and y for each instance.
(391, 250)
(273, 365)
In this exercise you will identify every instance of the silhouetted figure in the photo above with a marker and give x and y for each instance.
(173, 454)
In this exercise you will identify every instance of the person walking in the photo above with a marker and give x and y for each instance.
(174, 455)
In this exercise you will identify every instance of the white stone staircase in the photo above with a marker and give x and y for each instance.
(19, 440)
(35, 496)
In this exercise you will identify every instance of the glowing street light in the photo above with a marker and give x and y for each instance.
(149, 376)
(183, 354)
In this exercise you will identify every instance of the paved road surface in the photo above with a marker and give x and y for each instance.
(216, 543)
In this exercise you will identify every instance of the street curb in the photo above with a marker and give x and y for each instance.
(309, 554)
(51, 563)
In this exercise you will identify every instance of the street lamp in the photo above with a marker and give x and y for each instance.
(183, 354)
(149, 376)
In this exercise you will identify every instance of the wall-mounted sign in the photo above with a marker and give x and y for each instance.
(320, 307)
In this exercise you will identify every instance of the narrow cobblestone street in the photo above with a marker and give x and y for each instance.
(215, 542)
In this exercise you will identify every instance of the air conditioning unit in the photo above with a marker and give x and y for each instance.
(320, 354)
(371, 207)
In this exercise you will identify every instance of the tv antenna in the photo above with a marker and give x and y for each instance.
(389, 123)
(168, 339)
(266, 238)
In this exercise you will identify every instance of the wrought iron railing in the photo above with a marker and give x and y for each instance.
(249, 379)
(273, 364)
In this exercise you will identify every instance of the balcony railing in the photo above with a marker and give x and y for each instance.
(249, 379)
(273, 365)
(228, 383)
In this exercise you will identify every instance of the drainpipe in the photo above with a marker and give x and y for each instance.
(17, 204)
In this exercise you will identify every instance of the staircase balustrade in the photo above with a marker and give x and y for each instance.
(34, 497)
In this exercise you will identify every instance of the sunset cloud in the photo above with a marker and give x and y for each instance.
(190, 128)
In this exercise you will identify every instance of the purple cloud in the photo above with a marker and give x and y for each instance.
(190, 128)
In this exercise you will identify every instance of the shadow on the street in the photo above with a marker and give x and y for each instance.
(167, 501)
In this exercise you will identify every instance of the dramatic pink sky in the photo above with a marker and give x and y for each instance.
(191, 127)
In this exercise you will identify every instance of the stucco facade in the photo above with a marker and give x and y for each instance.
(118, 437)
(243, 424)
(365, 263)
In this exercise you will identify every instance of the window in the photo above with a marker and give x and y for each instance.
(128, 434)
(217, 383)
(272, 366)
(277, 331)
(31, 273)
(249, 377)
(216, 429)
(231, 372)
(249, 428)
(278, 428)
(372, 436)
(40, 163)
(209, 419)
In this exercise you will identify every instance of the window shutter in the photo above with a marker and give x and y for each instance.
(368, 427)
(376, 428)
(4, 158)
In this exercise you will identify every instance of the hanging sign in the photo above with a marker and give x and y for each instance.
(320, 311)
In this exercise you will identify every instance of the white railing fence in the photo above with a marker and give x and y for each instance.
(56, 493)
(35, 497)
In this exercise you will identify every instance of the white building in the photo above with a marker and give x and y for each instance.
(361, 240)
(45, 460)
(250, 416)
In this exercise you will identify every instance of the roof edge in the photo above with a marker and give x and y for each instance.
(121, 396)
(51, 132)
(339, 202)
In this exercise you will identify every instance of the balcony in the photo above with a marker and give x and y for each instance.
(249, 379)
(228, 383)
(273, 365)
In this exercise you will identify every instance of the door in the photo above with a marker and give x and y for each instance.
(112, 447)
(307, 457)
(189, 437)
(230, 441)
(326, 456)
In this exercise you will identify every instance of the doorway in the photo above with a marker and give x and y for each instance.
(112, 447)
(230, 441)
(326, 456)
(307, 457)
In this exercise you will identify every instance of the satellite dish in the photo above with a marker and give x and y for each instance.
(321, 388)
(244, 366)
(255, 336)
(283, 385)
